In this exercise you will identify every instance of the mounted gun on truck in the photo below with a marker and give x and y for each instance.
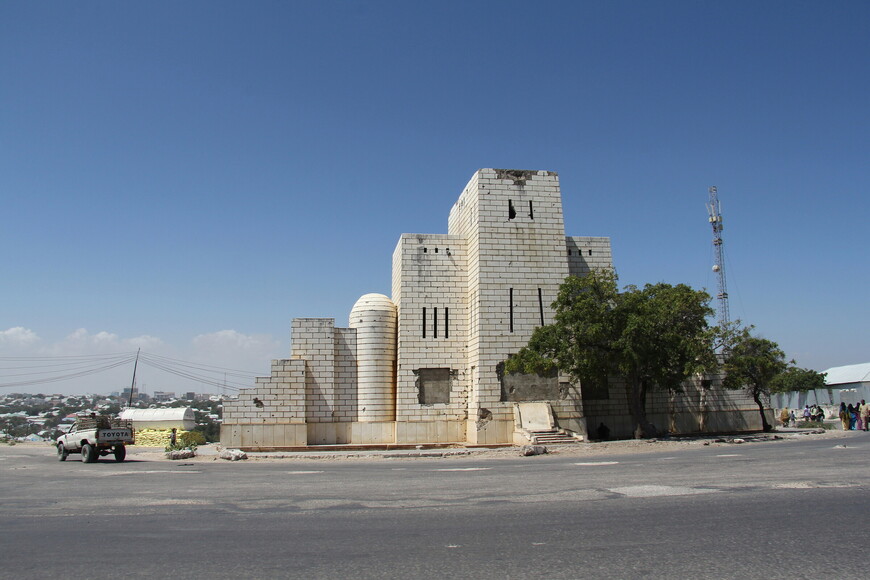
(94, 436)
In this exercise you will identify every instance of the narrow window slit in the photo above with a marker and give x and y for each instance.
(446, 322)
(511, 298)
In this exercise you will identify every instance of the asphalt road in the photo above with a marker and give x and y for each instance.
(782, 509)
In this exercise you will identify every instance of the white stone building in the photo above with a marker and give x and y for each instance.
(425, 366)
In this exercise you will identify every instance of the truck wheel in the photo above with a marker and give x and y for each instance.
(89, 454)
(62, 453)
(120, 452)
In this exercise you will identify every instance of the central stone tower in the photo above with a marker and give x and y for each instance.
(469, 299)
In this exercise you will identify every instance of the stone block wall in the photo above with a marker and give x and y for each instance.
(328, 353)
(587, 253)
(271, 414)
(429, 290)
(346, 408)
(513, 226)
(702, 407)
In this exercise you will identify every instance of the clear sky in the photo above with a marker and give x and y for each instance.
(189, 176)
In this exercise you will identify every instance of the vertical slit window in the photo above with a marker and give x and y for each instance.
(512, 213)
(446, 322)
(511, 308)
(434, 323)
(531, 211)
(424, 322)
(541, 305)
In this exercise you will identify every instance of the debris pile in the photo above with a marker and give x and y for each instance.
(180, 454)
(527, 450)
(233, 454)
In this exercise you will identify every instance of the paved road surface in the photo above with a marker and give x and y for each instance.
(783, 509)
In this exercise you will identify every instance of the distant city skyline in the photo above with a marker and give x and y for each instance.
(187, 178)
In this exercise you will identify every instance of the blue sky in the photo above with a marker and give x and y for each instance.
(190, 176)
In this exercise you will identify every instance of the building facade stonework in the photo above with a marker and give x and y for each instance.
(425, 365)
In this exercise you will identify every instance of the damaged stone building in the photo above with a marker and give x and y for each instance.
(424, 366)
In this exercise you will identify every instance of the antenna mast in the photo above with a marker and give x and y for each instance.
(715, 217)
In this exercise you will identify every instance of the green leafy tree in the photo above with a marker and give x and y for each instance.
(211, 431)
(754, 363)
(653, 337)
(797, 379)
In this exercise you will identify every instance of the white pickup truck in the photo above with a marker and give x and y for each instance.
(95, 436)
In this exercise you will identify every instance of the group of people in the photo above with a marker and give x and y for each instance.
(814, 413)
(855, 417)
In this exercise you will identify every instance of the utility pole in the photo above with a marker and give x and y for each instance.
(133, 384)
(715, 217)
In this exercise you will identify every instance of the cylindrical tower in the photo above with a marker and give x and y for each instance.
(374, 317)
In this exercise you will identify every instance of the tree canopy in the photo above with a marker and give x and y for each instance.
(753, 362)
(653, 337)
(797, 379)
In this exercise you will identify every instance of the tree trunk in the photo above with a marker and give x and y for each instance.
(764, 424)
(643, 429)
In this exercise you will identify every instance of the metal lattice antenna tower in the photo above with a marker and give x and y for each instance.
(719, 266)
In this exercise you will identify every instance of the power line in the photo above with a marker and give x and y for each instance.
(66, 365)
(215, 376)
(70, 359)
(78, 366)
(202, 366)
(82, 373)
(186, 375)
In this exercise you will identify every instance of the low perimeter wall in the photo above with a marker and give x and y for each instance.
(273, 416)
(702, 407)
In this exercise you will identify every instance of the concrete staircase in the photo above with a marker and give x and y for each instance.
(551, 437)
(534, 424)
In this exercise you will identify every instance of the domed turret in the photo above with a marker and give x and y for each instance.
(374, 317)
